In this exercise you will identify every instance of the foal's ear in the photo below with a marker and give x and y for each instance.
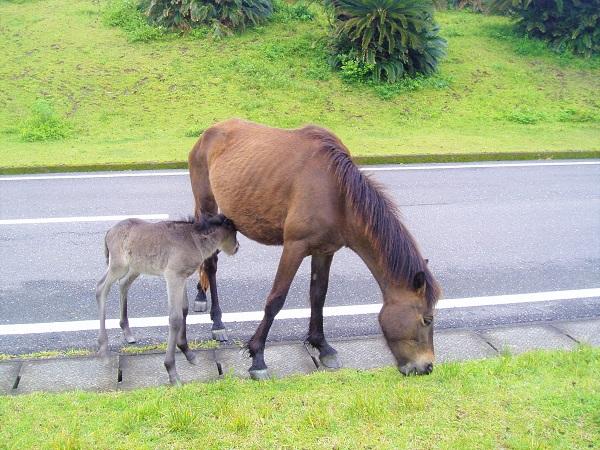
(419, 283)
(216, 220)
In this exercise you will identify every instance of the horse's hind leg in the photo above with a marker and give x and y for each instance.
(319, 281)
(205, 203)
(123, 290)
(219, 333)
(182, 342)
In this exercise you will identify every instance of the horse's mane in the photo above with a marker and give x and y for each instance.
(397, 249)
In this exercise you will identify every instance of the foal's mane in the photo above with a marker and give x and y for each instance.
(200, 226)
(379, 216)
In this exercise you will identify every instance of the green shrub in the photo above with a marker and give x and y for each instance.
(572, 25)
(288, 12)
(395, 37)
(125, 14)
(44, 124)
(525, 116)
(224, 16)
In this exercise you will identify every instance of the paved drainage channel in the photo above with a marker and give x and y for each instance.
(125, 372)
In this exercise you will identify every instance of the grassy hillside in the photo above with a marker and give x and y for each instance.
(538, 400)
(122, 101)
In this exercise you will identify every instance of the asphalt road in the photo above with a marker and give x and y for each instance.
(488, 230)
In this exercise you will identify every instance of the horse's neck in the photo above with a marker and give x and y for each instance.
(363, 247)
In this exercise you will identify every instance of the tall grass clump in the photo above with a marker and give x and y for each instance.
(567, 25)
(127, 15)
(44, 124)
(385, 40)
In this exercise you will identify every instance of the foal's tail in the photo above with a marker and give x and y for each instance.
(105, 250)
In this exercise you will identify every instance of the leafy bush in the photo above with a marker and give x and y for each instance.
(395, 37)
(224, 16)
(572, 25)
(44, 124)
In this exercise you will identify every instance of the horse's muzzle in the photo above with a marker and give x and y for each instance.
(414, 369)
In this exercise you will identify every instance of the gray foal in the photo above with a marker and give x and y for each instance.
(173, 249)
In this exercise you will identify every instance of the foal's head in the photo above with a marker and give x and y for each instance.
(225, 232)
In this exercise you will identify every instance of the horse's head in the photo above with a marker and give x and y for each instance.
(406, 320)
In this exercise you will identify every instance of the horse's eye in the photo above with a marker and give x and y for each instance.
(427, 320)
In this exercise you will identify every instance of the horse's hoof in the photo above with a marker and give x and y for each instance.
(220, 335)
(130, 339)
(330, 361)
(259, 374)
(200, 306)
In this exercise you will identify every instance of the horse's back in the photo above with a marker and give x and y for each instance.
(263, 177)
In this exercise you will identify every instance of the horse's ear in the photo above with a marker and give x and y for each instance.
(419, 283)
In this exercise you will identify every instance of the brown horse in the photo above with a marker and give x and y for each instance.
(300, 189)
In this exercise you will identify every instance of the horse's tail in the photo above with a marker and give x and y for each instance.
(203, 278)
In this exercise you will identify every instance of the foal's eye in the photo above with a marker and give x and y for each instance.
(427, 320)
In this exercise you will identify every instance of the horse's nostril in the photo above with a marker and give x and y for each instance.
(428, 368)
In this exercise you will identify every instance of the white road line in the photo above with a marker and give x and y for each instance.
(96, 175)
(365, 168)
(481, 166)
(300, 313)
(82, 219)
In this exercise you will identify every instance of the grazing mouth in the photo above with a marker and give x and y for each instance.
(411, 369)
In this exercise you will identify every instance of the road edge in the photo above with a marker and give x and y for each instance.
(359, 159)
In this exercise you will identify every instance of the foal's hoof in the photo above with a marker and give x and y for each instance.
(220, 335)
(200, 306)
(259, 374)
(330, 361)
(130, 339)
(192, 359)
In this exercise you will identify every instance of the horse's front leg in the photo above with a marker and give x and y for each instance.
(319, 281)
(291, 258)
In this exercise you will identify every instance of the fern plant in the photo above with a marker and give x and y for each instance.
(225, 16)
(395, 37)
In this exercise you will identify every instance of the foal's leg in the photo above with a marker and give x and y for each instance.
(102, 288)
(182, 342)
(124, 289)
(219, 333)
(175, 289)
(319, 281)
(292, 256)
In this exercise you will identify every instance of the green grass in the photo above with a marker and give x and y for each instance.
(537, 400)
(144, 95)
